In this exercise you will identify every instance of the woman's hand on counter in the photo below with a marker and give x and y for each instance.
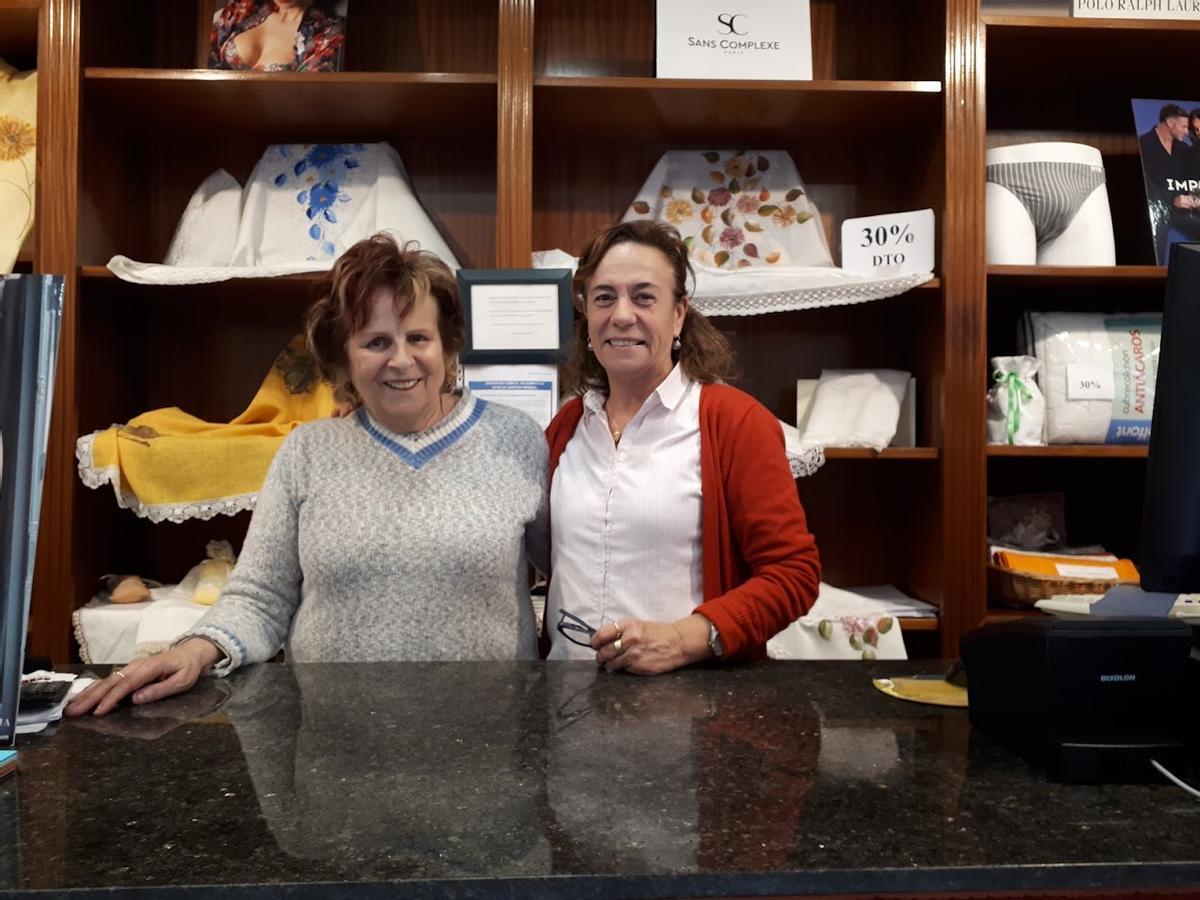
(162, 675)
(649, 648)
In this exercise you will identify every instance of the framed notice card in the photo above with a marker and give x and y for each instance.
(515, 315)
(533, 389)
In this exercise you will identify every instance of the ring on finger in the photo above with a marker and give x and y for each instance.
(119, 673)
(617, 645)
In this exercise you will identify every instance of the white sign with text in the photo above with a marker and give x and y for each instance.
(1136, 9)
(768, 39)
(1088, 382)
(892, 244)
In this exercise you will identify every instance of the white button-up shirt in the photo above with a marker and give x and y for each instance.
(625, 518)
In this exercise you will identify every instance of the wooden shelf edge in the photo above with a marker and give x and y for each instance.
(919, 624)
(1071, 23)
(1071, 451)
(98, 74)
(102, 273)
(642, 83)
(1078, 273)
(886, 453)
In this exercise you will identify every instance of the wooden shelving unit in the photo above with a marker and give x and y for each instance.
(523, 128)
(1101, 116)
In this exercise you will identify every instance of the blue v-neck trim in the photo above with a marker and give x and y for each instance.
(418, 458)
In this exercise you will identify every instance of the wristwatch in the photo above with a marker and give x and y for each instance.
(714, 640)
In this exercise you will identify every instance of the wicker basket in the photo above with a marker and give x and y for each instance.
(1022, 589)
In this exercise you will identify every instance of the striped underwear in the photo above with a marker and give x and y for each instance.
(1051, 192)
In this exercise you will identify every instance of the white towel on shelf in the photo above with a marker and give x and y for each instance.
(303, 206)
(116, 633)
(856, 408)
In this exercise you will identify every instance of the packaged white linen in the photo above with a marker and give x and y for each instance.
(856, 408)
(1098, 374)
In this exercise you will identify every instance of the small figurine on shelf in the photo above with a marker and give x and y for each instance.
(279, 35)
(1016, 407)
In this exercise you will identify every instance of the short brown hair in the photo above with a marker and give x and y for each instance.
(705, 353)
(343, 305)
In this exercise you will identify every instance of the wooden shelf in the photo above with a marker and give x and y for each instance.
(1072, 451)
(886, 453)
(102, 273)
(97, 272)
(669, 109)
(1070, 25)
(919, 624)
(1062, 276)
(296, 105)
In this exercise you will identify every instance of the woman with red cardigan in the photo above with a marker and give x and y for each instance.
(676, 531)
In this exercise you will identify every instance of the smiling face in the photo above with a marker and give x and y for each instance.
(398, 366)
(632, 317)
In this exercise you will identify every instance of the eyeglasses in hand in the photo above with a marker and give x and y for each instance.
(574, 629)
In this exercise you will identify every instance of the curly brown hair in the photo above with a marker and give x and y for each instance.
(704, 353)
(343, 304)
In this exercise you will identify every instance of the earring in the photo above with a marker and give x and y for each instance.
(454, 382)
(676, 344)
(590, 350)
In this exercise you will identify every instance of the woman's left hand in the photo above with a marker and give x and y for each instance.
(648, 648)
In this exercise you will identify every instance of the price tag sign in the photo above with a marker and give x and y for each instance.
(1087, 382)
(894, 244)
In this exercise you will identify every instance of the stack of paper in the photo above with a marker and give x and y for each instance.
(1073, 568)
(890, 600)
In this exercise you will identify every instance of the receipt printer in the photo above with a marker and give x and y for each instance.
(1089, 700)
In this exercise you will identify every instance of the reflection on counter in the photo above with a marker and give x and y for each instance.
(779, 777)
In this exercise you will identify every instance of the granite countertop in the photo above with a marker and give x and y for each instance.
(539, 779)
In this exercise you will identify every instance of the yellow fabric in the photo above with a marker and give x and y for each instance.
(166, 462)
(18, 137)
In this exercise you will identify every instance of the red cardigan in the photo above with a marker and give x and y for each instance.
(761, 569)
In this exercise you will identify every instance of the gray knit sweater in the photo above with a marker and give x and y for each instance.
(369, 545)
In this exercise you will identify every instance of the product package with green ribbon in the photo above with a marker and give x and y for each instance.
(1016, 407)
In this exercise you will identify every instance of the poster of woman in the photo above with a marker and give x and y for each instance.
(278, 35)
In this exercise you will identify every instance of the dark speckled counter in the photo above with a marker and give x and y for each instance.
(524, 780)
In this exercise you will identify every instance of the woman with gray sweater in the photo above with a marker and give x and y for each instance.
(398, 532)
